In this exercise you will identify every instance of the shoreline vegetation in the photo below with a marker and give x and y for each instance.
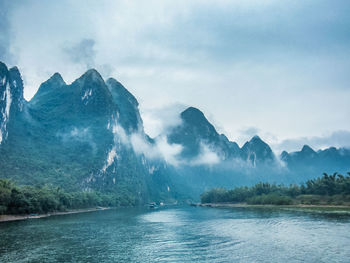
(328, 191)
(43, 200)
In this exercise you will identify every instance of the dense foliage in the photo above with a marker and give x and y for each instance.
(44, 199)
(328, 189)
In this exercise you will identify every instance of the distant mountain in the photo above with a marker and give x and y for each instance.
(257, 151)
(196, 131)
(309, 161)
(89, 135)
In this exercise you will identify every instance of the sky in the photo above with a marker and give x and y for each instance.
(279, 69)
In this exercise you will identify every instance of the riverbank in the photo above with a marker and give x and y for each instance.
(7, 218)
(302, 207)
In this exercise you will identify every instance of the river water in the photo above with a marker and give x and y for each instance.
(180, 234)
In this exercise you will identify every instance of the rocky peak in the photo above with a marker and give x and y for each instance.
(193, 114)
(256, 150)
(3, 70)
(307, 150)
(194, 120)
(91, 77)
(56, 79)
(54, 82)
(196, 131)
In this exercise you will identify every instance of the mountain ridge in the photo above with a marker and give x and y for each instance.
(89, 135)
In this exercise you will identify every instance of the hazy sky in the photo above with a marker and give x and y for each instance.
(280, 69)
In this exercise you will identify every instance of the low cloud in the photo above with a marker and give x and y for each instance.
(170, 152)
(161, 149)
(247, 133)
(82, 135)
(206, 157)
(82, 52)
(141, 146)
(337, 139)
(159, 120)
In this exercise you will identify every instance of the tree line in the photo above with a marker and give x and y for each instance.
(328, 189)
(43, 199)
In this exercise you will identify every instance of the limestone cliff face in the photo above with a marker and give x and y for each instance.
(11, 97)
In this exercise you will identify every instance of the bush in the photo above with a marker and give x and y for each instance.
(270, 199)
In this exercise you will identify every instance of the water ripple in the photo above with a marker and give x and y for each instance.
(184, 234)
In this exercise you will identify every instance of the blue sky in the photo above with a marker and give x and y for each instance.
(277, 68)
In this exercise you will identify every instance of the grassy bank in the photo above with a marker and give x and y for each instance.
(326, 209)
(316, 207)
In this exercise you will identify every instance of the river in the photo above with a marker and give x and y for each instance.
(179, 234)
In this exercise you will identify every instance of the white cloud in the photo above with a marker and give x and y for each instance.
(158, 121)
(141, 146)
(170, 152)
(206, 157)
(161, 149)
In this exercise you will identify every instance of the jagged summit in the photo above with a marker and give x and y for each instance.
(256, 150)
(91, 77)
(255, 138)
(57, 78)
(307, 149)
(3, 67)
(196, 132)
(46, 88)
(15, 70)
(192, 112)
(93, 91)
(256, 141)
(92, 74)
(196, 120)
(86, 98)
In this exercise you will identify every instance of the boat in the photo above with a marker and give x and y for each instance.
(152, 205)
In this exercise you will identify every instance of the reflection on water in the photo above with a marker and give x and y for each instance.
(184, 234)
